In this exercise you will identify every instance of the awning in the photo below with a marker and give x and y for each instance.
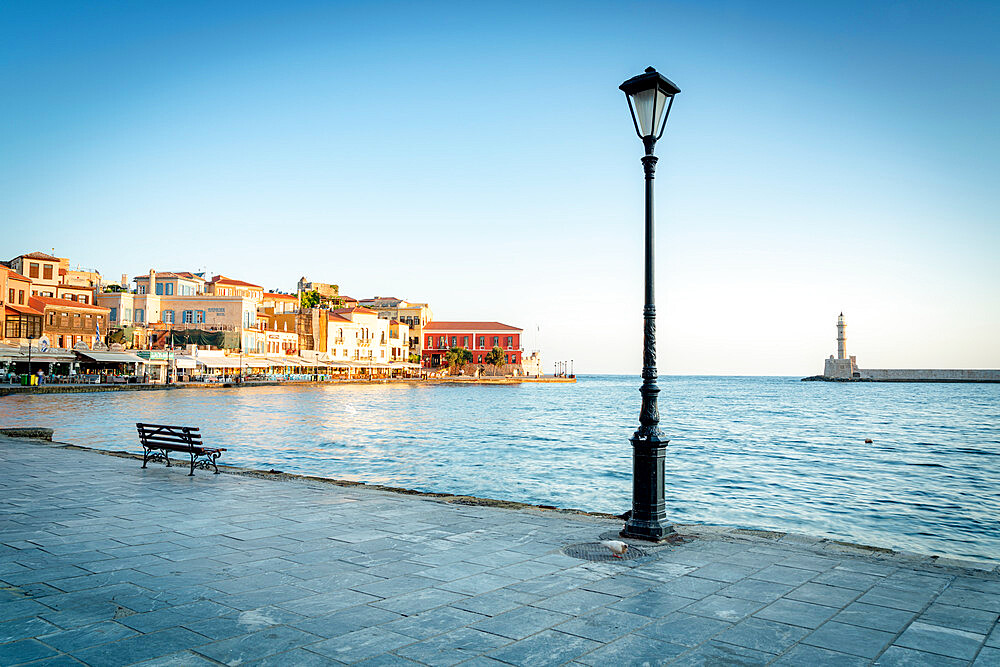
(182, 362)
(220, 362)
(111, 357)
(288, 362)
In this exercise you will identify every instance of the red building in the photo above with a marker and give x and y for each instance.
(477, 337)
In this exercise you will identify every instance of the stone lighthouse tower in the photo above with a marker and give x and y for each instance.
(843, 367)
(841, 338)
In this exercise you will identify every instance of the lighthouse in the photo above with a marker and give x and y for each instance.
(841, 338)
(843, 367)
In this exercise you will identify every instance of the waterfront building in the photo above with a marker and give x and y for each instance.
(223, 286)
(19, 321)
(359, 334)
(413, 315)
(532, 364)
(51, 277)
(275, 303)
(477, 337)
(329, 294)
(67, 323)
(169, 283)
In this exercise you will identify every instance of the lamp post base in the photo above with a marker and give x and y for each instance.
(649, 517)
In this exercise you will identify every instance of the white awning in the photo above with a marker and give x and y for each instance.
(220, 362)
(185, 362)
(111, 357)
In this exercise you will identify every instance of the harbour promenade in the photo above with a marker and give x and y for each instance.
(104, 563)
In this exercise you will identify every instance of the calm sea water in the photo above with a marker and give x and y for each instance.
(759, 452)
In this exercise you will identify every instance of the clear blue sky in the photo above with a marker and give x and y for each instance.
(479, 156)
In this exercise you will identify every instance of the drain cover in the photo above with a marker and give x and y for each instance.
(598, 553)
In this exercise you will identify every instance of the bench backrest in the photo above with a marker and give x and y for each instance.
(161, 434)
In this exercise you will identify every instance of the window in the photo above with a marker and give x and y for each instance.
(20, 296)
(465, 341)
(168, 317)
(140, 315)
(47, 272)
(76, 320)
(496, 340)
(187, 317)
(113, 315)
(169, 289)
(199, 316)
(10, 295)
(510, 342)
(83, 299)
(142, 289)
(159, 288)
(32, 270)
(126, 315)
(52, 318)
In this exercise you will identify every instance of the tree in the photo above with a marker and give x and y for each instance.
(496, 357)
(457, 357)
(310, 299)
(414, 358)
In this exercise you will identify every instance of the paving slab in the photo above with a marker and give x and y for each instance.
(106, 563)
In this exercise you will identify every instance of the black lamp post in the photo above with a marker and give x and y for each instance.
(650, 96)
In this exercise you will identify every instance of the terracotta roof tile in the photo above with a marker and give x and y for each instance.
(39, 255)
(64, 303)
(437, 325)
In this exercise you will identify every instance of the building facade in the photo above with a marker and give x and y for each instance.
(19, 321)
(477, 337)
(68, 323)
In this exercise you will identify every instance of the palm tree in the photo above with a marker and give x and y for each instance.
(457, 357)
(496, 357)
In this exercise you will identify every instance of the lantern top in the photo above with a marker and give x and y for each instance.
(648, 80)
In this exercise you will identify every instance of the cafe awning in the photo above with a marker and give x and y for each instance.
(111, 357)
(182, 362)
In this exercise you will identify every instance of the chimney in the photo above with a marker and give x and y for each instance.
(152, 282)
(124, 282)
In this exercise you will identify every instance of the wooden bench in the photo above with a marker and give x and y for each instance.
(158, 439)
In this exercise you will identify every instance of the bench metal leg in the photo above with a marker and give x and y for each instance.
(191, 474)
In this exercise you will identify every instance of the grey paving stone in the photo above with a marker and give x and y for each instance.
(24, 627)
(897, 656)
(623, 586)
(21, 609)
(453, 647)
(174, 616)
(632, 650)
(994, 638)
(654, 604)
(717, 654)
(433, 622)
(756, 589)
(684, 629)
(962, 597)
(264, 596)
(140, 647)
(69, 641)
(785, 575)
(690, 587)
(944, 641)
(576, 602)
(844, 578)
(988, 657)
(809, 562)
(603, 625)
(960, 618)
(180, 659)
(241, 623)
(25, 650)
(361, 644)
(724, 608)
(897, 598)
(875, 617)
(496, 602)
(853, 639)
(793, 612)
(256, 645)
(761, 635)
(546, 648)
(804, 655)
(385, 588)
(346, 620)
(726, 572)
(477, 584)
(831, 596)
(521, 622)
(326, 603)
(418, 601)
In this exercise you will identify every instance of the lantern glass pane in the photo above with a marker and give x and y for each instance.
(649, 116)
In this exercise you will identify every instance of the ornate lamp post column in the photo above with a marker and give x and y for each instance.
(650, 96)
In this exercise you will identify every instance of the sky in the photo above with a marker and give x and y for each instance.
(821, 157)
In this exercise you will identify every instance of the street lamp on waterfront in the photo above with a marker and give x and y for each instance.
(650, 96)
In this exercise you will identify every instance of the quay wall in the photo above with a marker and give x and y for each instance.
(928, 375)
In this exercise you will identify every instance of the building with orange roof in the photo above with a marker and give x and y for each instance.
(67, 323)
(477, 337)
(19, 321)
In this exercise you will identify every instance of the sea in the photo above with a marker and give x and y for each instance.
(770, 453)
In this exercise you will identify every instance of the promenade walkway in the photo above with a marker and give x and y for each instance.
(104, 563)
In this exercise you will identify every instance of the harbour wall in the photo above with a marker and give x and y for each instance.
(928, 375)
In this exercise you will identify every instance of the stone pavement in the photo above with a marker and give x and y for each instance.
(104, 563)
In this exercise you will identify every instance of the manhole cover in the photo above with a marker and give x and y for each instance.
(598, 553)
